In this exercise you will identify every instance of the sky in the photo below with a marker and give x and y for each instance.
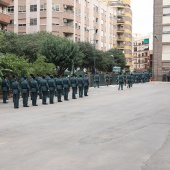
(142, 16)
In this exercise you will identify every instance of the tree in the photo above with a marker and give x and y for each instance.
(119, 58)
(16, 64)
(62, 52)
(89, 54)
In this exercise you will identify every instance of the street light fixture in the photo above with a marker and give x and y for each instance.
(112, 62)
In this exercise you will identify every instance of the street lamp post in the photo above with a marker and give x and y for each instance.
(112, 62)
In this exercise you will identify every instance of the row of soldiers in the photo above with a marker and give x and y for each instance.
(44, 86)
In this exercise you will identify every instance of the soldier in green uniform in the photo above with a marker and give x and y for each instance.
(129, 80)
(34, 91)
(132, 80)
(15, 92)
(38, 79)
(52, 88)
(5, 89)
(44, 90)
(96, 80)
(66, 86)
(120, 81)
(25, 91)
(59, 87)
(86, 85)
(80, 85)
(107, 79)
(124, 77)
(73, 82)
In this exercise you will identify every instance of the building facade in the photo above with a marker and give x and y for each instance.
(161, 34)
(142, 52)
(123, 36)
(4, 17)
(78, 20)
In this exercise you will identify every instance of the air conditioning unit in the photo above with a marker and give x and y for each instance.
(65, 20)
(65, 6)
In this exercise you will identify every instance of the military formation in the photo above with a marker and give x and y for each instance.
(52, 86)
(128, 79)
(45, 87)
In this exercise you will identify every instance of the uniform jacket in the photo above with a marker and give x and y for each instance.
(15, 88)
(51, 84)
(66, 83)
(44, 85)
(5, 85)
(25, 86)
(80, 82)
(73, 82)
(34, 86)
(59, 84)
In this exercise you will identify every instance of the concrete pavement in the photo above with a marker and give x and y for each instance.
(108, 130)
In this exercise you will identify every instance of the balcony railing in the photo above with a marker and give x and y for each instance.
(5, 2)
(120, 21)
(4, 18)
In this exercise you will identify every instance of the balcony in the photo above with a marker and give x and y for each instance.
(120, 38)
(120, 30)
(120, 47)
(120, 21)
(5, 2)
(68, 29)
(4, 17)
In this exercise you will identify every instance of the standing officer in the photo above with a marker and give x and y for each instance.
(86, 85)
(124, 77)
(25, 91)
(129, 80)
(80, 85)
(38, 79)
(107, 79)
(34, 91)
(59, 87)
(15, 92)
(66, 86)
(44, 90)
(73, 82)
(120, 81)
(52, 88)
(5, 89)
(96, 80)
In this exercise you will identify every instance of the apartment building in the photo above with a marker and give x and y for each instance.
(142, 52)
(123, 36)
(78, 20)
(4, 17)
(161, 31)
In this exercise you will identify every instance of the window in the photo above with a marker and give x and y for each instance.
(56, 7)
(33, 8)
(11, 9)
(21, 25)
(22, 8)
(43, 7)
(33, 21)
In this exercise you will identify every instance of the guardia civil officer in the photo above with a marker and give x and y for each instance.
(86, 85)
(66, 86)
(96, 80)
(34, 91)
(25, 91)
(59, 87)
(38, 79)
(120, 81)
(129, 80)
(44, 90)
(107, 79)
(52, 88)
(16, 93)
(5, 88)
(80, 85)
(73, 82)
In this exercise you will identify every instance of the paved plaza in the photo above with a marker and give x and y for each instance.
(108, 130)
